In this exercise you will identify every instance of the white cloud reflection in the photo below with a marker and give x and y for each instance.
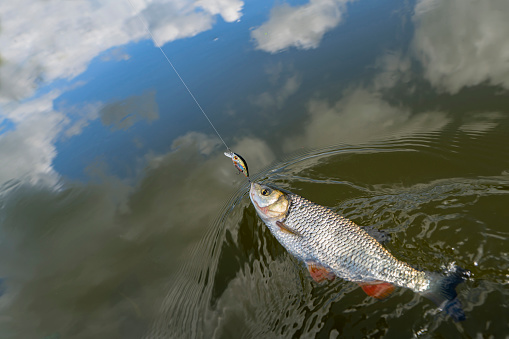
(393, 67)
(108, 249)
(476, 124)
(361, 116)
(27, 151)
(42, 41)
(230, 10)
(298, 26)
(82, 115)
(462, 43)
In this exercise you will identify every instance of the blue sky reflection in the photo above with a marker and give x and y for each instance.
(62, 63)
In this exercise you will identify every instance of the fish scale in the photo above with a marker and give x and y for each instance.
(333, 246)
(350, 252)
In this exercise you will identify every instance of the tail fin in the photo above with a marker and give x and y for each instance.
(443, 292)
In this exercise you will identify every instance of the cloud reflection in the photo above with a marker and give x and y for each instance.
(298, 26)
(107, 249)
(476, 124)
(42, 41)
(284, 88)
(28, 150)
(462, 43)
(82, 116)
(124, 113)
(361, 116)
(393, 67)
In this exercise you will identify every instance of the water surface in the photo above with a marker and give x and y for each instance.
(121, 217)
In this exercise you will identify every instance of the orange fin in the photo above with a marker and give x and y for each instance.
(286, 229)
(318, 272)
(377, 289)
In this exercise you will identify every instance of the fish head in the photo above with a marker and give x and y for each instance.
(270, 203)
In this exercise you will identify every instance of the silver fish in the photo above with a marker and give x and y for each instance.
(333, 246)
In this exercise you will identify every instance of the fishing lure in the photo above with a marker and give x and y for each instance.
(238, 162)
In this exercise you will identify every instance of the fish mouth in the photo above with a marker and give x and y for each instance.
(253, 199)
(261, 209)
(252, 193)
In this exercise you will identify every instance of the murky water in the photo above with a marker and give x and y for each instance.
(250, 286)
(120, 217)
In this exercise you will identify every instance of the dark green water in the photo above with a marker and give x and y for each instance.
(120, 217)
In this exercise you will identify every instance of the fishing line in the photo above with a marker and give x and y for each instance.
(138, 15)
(238, 161)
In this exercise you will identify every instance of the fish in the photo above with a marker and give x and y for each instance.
(331, 246)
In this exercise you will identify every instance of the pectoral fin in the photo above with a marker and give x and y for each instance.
(318, 272)
(377, 289)
(286, 229)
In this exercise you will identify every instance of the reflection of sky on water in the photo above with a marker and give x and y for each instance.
(302, 26)
(462, 44)
(108, 250)
(85, 95)
(361, 117)
(62, 63)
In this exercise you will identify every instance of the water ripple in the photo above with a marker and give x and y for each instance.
(240, 282)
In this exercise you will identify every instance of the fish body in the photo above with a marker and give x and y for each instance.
(333, 246)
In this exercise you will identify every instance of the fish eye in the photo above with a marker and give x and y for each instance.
(265, 192)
